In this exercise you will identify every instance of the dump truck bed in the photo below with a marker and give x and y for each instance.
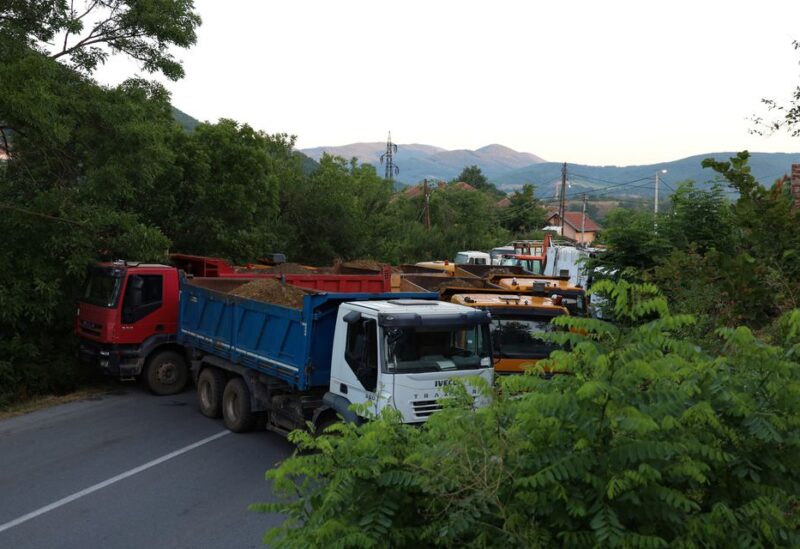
(293, 345)
(357, 281)
(433, 283)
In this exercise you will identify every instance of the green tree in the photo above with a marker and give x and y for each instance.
(700, 218)
(633, 243)
(228, 164)
(651, 442)
(475, 178)
(525, 214)
(461, 219)
(85, 163)
(144, 31)
(336, 212)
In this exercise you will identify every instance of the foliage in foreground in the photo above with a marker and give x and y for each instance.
(729, 263)
(652, 442)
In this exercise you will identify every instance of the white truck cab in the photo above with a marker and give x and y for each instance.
(472, 257)
(402, 353)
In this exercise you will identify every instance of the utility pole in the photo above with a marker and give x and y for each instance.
(563, 198)
(796, 184)
(655, 202)
(387, 159)
(427, 196)
(583, 221)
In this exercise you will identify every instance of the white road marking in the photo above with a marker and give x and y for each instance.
(109, 482)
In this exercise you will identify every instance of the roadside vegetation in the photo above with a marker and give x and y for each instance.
(651, 442)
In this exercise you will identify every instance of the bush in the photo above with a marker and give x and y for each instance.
(650, 442)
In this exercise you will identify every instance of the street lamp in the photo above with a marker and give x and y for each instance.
(655, 203)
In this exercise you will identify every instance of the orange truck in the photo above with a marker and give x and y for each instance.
(517, 319)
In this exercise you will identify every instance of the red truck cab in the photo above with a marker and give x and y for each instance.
(125, 313)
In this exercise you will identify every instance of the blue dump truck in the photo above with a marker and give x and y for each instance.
(260, 364)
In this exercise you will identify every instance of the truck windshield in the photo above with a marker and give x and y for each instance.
(102, 288)
(517, 337)
(435, 349)
(533, 266)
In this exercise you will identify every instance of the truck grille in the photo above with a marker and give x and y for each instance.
(424, 408)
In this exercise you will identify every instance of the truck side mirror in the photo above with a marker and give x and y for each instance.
(352, 317)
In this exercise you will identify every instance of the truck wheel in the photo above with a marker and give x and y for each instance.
(210, 386)
(166, 373)
(236, 412)
(324, 423)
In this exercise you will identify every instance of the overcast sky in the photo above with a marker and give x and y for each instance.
(613, 82)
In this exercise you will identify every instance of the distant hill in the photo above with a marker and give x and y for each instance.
(418, 162)
(188, 123)
(510, 169)
(307, 164)
(639, 180)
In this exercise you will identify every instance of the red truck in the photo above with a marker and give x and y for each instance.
(127, 316)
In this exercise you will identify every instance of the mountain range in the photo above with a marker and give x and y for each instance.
(510, 169)
(417, 162)
(640, 180)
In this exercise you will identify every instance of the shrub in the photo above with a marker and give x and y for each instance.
(650, 442)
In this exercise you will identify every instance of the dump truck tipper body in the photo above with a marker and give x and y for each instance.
(573, 297)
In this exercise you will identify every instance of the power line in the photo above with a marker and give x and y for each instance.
(599, 180)
(667, 185)
(606, 190)
(591, 191)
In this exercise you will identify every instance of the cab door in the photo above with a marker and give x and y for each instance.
(358, 382)
(143, 313)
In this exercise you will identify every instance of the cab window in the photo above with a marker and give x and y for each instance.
(361, 352)
(143, 295)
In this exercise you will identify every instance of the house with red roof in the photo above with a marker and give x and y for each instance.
(576, 226)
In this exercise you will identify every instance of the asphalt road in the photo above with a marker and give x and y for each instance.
(132, 470)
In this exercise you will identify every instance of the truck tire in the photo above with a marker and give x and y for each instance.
(166, 373)
(210, 386)
(325, 422)
(236, 412)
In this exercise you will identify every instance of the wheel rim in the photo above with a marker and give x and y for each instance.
(167, 373)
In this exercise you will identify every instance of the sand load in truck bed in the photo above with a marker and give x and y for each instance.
(271, 291)
(363, 264)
